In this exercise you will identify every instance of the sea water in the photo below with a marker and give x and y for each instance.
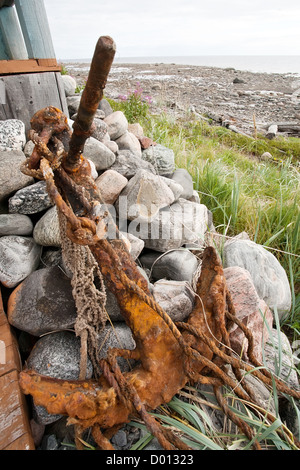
(268, 64)
(252, 63)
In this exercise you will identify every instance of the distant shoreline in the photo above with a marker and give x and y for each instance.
(255, 64)
(226, 94)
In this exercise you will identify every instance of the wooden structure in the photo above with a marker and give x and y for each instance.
(15, 432)
(30, 76)
(30, 79)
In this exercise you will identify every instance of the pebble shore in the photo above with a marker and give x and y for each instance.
(239, 97)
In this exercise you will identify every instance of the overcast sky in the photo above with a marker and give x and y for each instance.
(175, 27)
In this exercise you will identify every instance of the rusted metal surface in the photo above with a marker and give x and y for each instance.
(168, 355)
(162, 371)
(91, 96)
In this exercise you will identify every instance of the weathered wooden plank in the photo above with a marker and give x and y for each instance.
(289, 127)
(13, 413)
(12, 35)
(10, 67)
(15, 432)
(28, 93)
(22, 443)
(9, 351)
(35, 27)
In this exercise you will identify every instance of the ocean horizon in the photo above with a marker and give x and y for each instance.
(251, 63)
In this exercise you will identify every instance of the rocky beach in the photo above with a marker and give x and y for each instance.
(225, 95)
(147, 196)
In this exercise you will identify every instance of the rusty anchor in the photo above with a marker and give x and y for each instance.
(169, 355)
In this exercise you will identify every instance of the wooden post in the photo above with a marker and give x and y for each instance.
(13, 46)
(34, 23)
(15, 432)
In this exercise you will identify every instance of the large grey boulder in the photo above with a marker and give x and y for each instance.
(175, 297)
(119, 336)
(269, 277)
(46, 231)
(110, 184)
(69, 84)
(182, 176)
(15, 224)
(249, 309)
(176, 265)
(19, 256)
(143, 196)
(56, 355)
(11, 177)
(30, 200)
(42, 303)
(183, 222)
(279, 359)
(162, 159)
(127, 164)
(117, 124)
(98, 153)
(128, 141)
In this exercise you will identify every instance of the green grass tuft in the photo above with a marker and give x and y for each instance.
(244, 191)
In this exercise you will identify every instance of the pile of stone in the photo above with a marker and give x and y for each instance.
(165, 227)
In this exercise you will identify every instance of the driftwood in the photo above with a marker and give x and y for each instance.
(237, 131)
(292, 128)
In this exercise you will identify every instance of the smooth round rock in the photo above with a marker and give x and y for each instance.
(30, 200)
(99, 154)
(46, 231)
(175, 297)
(269, 277)
(120, 336)
(19, 257)
(129, 141)
(70, 84)
(110, 184)
(161, 157)
(42, 303)
(11, 178)
(182, 176)
(58, 355)
(117, 124)
(12, 135)
(15, 224)
(177, 265)
(127, 164)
